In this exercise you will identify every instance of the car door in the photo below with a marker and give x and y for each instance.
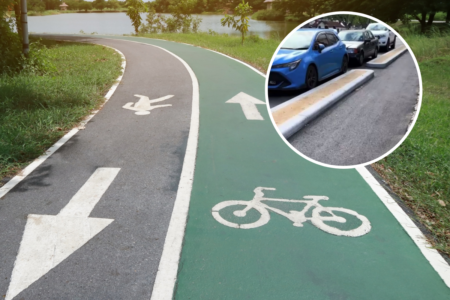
(324, 58)
(373, 42)
(335, 53)
(367, 46)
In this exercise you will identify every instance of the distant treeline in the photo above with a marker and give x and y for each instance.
(160, 6)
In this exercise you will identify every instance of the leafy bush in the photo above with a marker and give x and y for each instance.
(268, 15)
(180, 20)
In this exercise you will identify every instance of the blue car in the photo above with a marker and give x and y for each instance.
(307, 57)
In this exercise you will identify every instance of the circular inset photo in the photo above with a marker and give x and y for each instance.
(343, 89)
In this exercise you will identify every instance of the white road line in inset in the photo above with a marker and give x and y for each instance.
(432, 255)
(49, 240)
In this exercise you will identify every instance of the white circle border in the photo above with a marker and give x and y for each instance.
(410, 127)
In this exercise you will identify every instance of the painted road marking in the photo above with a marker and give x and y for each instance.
(48, 240)
(248, 105)
(144, 105)
(297, 217)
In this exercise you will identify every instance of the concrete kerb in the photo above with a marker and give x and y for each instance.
(294, 124)
(380, 64)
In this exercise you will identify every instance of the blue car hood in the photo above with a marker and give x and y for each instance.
(285, 56)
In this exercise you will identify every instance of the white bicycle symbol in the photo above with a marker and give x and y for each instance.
(297, 217)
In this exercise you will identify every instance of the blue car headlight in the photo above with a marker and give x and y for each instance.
(291, 65)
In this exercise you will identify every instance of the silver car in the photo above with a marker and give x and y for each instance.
(386, 38)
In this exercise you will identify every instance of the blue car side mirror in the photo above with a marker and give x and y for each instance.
(321, 47)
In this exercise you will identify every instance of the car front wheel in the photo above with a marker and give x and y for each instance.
(393, 44)
(361, 59)
(388, 44)
(344, 66)
(311, 78)
(375, 52)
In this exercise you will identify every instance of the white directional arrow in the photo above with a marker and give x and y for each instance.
(248, 104)
(48, 240)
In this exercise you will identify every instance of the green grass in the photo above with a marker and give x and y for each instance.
(256, 51)
(35, 111)
(419, 170)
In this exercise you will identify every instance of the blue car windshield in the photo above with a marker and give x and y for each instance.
(300, 40)
(351, 36)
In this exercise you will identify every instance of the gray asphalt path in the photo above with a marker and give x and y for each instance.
(122, 260)
(367, 123)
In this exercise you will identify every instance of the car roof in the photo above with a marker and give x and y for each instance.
(353, 30)
(316, 29)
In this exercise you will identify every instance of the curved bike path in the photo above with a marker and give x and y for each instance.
(237, 154)
(278, 260)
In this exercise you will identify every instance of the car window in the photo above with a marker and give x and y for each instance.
(366, 36)
(332, 38)
(299, 40)
(376, 27)
(351, 36)
(370, 34)
(322, 39)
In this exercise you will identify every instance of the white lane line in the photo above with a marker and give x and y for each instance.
(239, 61)
(166, 277)
(432, 255)
(49, 240)
(38, 161)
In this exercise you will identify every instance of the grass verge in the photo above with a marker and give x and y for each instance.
(35, 111)
(256, 51)
(419, 170)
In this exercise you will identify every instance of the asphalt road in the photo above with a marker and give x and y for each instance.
(367, 123)
(122, 260)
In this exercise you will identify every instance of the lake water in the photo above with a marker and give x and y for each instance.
(119, 23)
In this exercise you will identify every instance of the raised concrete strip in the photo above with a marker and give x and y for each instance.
(293, 114)
(386, 59)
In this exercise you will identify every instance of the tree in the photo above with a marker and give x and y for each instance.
(84, 5)
(309, 8)
(99, 4)
(242, 11)
(134, 8)
(112, 4)
(35, 5)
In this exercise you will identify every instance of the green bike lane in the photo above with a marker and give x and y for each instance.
(278, 260)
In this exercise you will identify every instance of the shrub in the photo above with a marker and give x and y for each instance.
(268, 15)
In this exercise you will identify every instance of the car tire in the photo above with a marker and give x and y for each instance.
(386, 48)
(360, 60)
(393, 44)
(375, 52)
(344, 65)
(311, 79)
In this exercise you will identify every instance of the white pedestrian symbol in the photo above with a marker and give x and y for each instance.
(144, 105)
(320, 214)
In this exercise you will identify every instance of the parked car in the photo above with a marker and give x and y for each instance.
(307, 57)
(386, 38)
(360, 44)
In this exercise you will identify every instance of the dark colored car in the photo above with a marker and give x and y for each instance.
(360, 44)
(306, 57)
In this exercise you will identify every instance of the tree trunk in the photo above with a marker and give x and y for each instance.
(18, 13)
(447, 19)
(431, 18)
